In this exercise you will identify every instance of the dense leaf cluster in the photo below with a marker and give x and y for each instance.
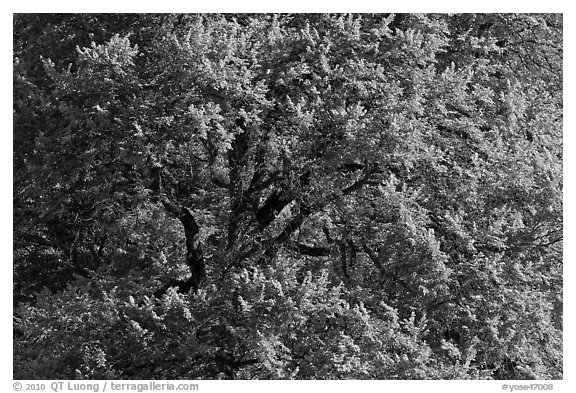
(288, 196)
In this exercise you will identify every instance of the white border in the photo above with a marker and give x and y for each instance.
(440, 6)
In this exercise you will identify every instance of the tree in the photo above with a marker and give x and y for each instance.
(288, 196)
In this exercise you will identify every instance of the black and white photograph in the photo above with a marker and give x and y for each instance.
(287, 196)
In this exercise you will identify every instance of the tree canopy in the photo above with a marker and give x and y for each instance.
(288, 196)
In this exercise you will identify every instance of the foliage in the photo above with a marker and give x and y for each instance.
(288, 196)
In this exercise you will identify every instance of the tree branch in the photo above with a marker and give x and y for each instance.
(277, 201)
(194, 254)
(272, 206)
(312, 251)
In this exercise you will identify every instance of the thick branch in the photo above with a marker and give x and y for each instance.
(182, 286)
(312, 251)
(258, 183)
(194, 255)
(273, 205)
(277, 201)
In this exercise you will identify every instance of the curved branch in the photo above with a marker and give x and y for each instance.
(194, 254)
